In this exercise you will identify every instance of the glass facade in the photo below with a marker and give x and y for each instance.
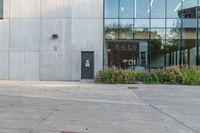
(151, 34)
(1, 9)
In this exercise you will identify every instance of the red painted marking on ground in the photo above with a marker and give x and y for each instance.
(68, 132)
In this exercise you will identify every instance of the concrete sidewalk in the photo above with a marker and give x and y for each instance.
(60, 107)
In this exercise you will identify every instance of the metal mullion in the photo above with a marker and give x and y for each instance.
(104, 35)
(118, 17)
(149, 50)
(181, 39)
(165, 57)
(197, 32)
(133, 18)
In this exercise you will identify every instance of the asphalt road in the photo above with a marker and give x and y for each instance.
(64, 107)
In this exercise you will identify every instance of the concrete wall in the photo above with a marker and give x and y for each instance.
(27, 50)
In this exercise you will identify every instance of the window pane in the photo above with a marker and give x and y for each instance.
(173, 23)
(111, 8)
(157, 53)
(141, 33)
(142, 9)
(189, 33)
(1, 8)
(157, 8)
(126, 8)
(173, 34)
(126, 29)
(173, 6)
(189, 3)
(188, 13)
(141, 23)
(189, 23)
(111, 28)
(157, 23)
(158, 34)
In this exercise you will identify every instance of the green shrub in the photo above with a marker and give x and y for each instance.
(191, 76)
(117, 76)
(172, 75)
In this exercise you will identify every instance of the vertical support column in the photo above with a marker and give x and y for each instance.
(165, 52)
(197, 38)
(181, 40)
(104, 35)
(149, 48)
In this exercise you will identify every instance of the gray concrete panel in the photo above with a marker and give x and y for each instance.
(24, 34)
(3, 65)
(25, 9)
(4, 35)
(51, 66)
(31, 66)
(76, 65)
(56, 8)
(87, 34)
(67, 66)
(87, 9)
(6, 9)
(98, 61)
(48, 28)
(16, 65)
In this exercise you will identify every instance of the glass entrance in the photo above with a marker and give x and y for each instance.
(125, 55)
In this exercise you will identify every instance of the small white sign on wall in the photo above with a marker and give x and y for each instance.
(87, 63)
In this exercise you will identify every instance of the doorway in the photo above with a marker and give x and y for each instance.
(87, 65)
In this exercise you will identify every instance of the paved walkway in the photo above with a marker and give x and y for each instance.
(60, 107)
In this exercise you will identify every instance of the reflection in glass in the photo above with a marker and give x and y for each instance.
(141, 33)
(111, 9)
(173, 6)
(124, 55)
(157, 34)
(189, 23)
(189, 3)
(126, 8)
(173, 34)
(189, 33)
(157, 23)
(173, 23)
(157, 53)
(126, 29)
(171, 40)
(111, 28)
(141, 23)
(1, 8)
(157, 8)
(142, 9)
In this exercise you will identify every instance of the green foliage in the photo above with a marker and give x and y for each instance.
(116, 76)
(191, 77)
(172, 75)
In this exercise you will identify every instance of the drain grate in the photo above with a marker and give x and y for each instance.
(68, 132)
(132, 88)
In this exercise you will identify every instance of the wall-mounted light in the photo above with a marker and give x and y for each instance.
(55, 36)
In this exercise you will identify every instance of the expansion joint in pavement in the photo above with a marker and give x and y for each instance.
(41, 121)
(162, 112)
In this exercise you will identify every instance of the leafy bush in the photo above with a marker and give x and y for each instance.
(117, 76)
(172, 75)
(191, 77)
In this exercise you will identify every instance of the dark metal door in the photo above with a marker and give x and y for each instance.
(87, 65)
